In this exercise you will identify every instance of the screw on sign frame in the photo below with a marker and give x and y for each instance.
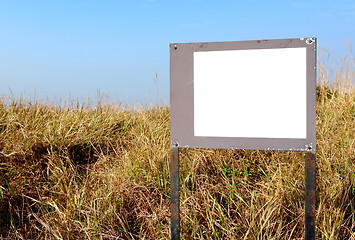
(201, 77)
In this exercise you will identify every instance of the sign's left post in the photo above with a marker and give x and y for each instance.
(175, 193)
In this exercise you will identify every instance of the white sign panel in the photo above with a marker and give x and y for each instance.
(258, 93)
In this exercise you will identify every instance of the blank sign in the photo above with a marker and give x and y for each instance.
(258, 93)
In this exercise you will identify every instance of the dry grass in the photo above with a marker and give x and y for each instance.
(103, 173)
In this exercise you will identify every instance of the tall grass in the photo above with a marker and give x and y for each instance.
(102, 172)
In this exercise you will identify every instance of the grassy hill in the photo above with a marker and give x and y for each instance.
(102, 172)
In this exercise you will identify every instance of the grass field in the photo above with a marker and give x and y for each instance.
(102, 172)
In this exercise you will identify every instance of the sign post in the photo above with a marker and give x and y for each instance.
(310, 196)
(271, 84)
(175, 193)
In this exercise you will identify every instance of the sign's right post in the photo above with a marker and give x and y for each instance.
(310, 198)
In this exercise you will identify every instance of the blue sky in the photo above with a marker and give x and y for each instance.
(70, 49)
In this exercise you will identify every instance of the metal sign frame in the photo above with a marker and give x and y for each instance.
(182, 118)
(182, 96)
